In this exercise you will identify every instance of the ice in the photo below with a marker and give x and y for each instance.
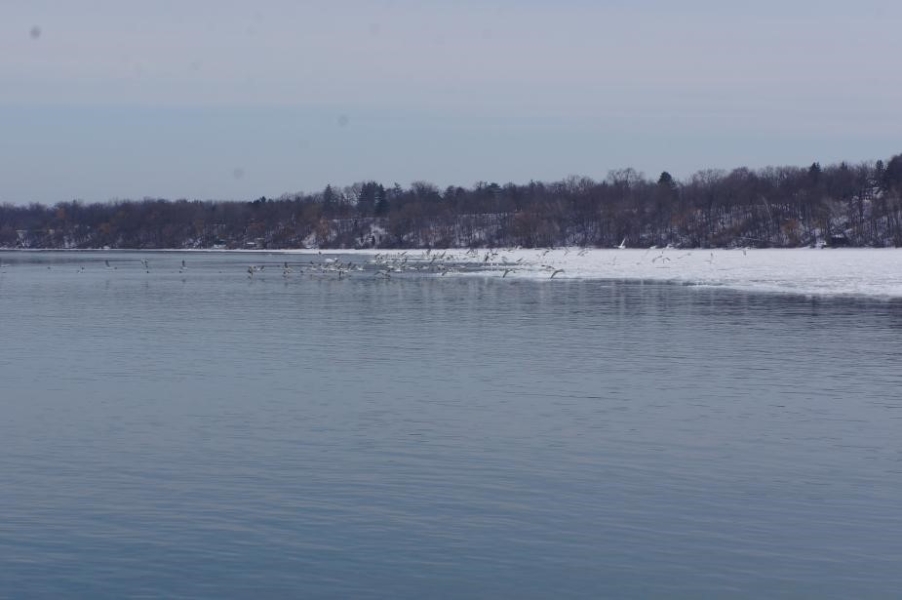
(808, 271)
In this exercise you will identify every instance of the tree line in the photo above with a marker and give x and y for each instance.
(839, 204)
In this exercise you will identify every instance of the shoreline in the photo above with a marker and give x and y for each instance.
(854, 272)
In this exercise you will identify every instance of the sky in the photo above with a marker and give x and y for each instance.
(220, 99)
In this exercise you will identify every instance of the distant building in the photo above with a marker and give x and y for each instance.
(838, 241)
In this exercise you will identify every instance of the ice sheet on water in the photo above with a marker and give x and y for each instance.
(859, 272)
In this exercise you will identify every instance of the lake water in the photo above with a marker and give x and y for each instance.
(211, 434)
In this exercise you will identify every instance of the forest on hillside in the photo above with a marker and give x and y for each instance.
(840, 204)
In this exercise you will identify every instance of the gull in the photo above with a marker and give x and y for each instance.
(146, 264)
(622, 245)
(556, 272)
(183, 268)
(506, 271)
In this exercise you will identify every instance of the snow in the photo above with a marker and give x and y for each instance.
(819, 272)
(861, 272)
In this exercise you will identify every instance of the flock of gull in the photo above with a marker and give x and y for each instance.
(499, 262)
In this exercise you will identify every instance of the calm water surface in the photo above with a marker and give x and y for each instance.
(206, 434)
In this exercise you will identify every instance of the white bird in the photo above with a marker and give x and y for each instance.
(622, 245)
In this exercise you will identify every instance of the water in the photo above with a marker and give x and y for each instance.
(206, 434)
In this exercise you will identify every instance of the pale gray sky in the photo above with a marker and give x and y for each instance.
(215, 99)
